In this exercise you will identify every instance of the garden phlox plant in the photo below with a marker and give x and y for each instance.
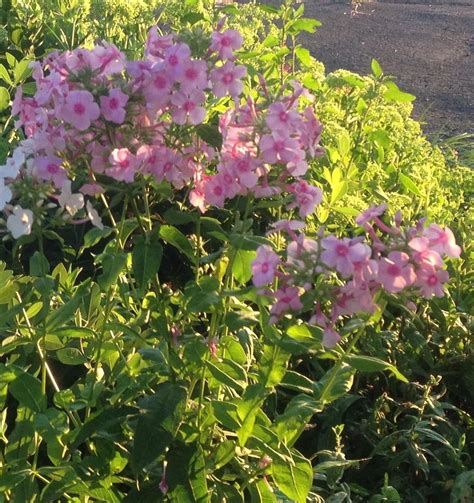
(355, 270)
(97, 118)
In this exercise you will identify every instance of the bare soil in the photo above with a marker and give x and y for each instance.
(428, 48)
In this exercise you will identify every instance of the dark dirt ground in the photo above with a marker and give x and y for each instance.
(428, 48)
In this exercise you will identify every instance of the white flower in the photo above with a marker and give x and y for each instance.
(94, 216)
(19, 222)
(5, 194)
(72, 203)
(13, 165)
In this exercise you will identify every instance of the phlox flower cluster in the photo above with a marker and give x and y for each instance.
(406, 262)
(97, 118)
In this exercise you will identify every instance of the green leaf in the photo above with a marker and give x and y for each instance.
(176, 238)
(112, 266)
(4, 75)
(409, 184)
(28, 391)
(242, 265)
(157, 426)
(22, 70)
(225, 452)
(93, 236)
(192, 18)
(339, 191)
(354, 80)
(71, 356)
(210, 134)
(4, 98)
(303, 24)
(186, 474)
(372, 364)
(294, 478)
(261, 492)
(11, 60)
(335, 383)
(393, 93)
(225, 373)
(376, 69)
(271, 41)
(65, 313)
(346, 210)
(39, 265)
(146, 260)
(304, 56)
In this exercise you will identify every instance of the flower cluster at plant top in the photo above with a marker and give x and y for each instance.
(397, 261)
(96, 118)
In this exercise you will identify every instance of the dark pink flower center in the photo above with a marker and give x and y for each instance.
(225, 41)
(228, 78)
(341, 250)
(393, 270)
(52, 168)
(278, 146)
(173, 60)
(265, 267)
(113, 104)
(283, 116)
(189, 106)
(124, 164)
(191, 73)
(432, 280)
(79, 108)
(160, 82)
(167, 166)
(218, 190)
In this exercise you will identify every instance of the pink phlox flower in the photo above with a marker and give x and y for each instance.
(283, 119)
(395, 272)
(215, 190)
(80, 109)
(422, 253)
(442, 241)
(279, 148)
(343, 254)
(264, 266)
(109, 59)
(91, 189)
(188, 107)
(113, 106)
(156, 44)
(169, 166)
(13, 164)
(72, 203)
(79, 59)
(157, 85)
(266, 190)
(303, 254)
(287, 298)
(93, 216)
(124, 165)
(226, 43)
(369, 214)
(213, 345)
(232, 188)
(243, 169)
(147, 156)
(227, 79)
(353, 298)
(365, 271)
(49, 168)
(5, 194)
(20, 222)
(330, 337)
(431, 281)
(310, 133)
(175, 57)
(99, 157)
(197, 197)
(288, 226)
(307, 197)
(298, 167)
(193, 76)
